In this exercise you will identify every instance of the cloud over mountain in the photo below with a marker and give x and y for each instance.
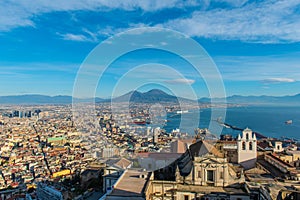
(279, 80)
(180, 81)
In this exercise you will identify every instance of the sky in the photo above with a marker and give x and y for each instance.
(255, 45)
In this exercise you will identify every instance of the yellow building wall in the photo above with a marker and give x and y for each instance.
(61, 173)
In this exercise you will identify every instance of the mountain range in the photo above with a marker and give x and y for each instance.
(152, 96)
(42, 99)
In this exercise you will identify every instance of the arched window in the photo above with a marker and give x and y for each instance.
(250, 146)
(244, 146)
(247, 136)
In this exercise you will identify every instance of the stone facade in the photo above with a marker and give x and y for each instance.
(208, 170)
(200, 173)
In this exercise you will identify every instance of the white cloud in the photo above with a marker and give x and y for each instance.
(180, 81)
(268, 21)
(74, 37)
(258, 68)
(32, 67)
(16, 13)
(265, 22)
(279, 80)
(85, 36)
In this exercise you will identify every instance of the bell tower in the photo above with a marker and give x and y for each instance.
(247, 149)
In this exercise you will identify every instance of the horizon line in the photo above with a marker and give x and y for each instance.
(107, 98)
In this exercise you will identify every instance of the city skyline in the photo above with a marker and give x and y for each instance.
(255, 45)
(150, 99)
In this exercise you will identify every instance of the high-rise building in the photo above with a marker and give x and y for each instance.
(148, 130)
(15, 113)
(20, 114)
(156, 133)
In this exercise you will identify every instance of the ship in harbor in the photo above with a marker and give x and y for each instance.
(289, 121)
(141, 121)
(181, 111)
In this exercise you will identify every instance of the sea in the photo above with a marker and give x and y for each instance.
(266, 120)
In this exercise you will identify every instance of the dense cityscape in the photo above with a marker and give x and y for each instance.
(150, 100)
(45, 155)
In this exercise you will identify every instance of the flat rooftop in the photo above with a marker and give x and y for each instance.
(130, 186)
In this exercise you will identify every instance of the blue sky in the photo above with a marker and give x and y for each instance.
(255, 44)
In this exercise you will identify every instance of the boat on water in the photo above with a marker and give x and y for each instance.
(141, 121)
(289, 121)
(182, 111)
(225, 125)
